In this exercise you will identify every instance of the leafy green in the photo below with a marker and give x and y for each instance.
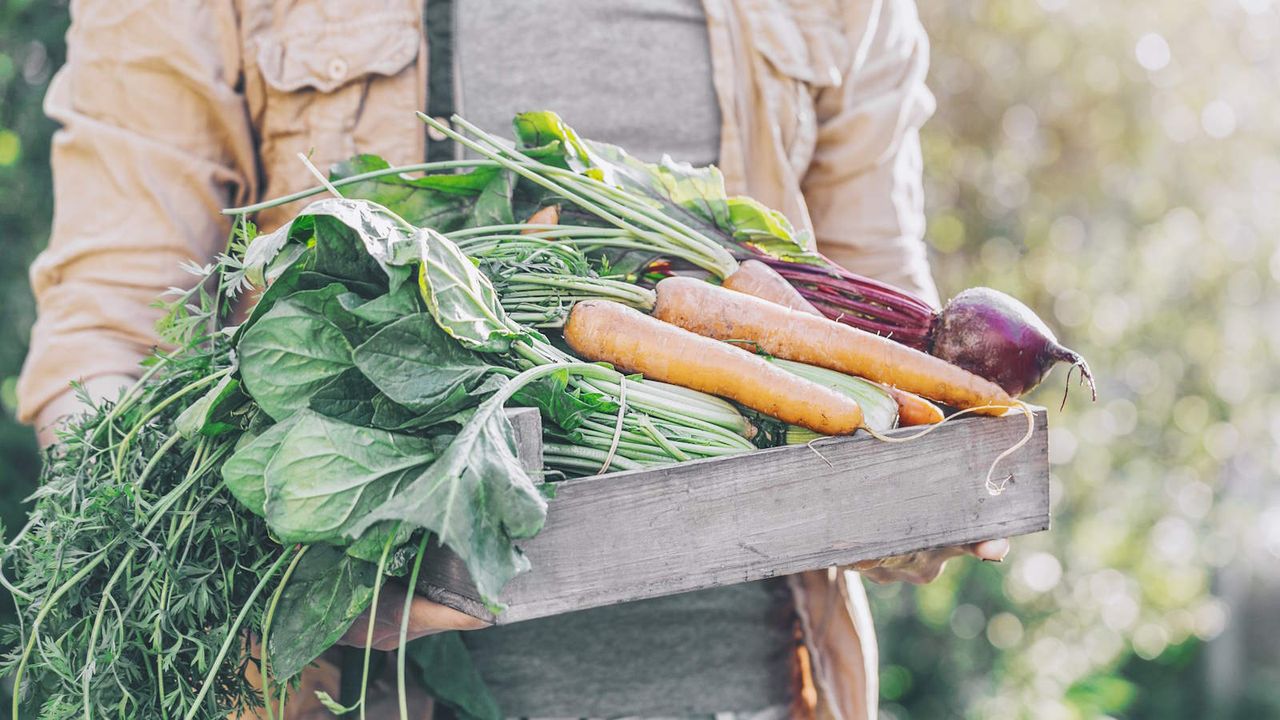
(326, 475)
(561, 403)
(445, 201)
(421, 368)
(245, 471)
(475, 497)
(461, 299)
(444, 668)
(325, 595)
(293, 350)
(695, 196)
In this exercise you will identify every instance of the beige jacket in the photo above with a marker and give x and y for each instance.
(173, 110)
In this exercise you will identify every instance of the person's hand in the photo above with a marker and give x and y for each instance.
(425, 618)
(925, 567)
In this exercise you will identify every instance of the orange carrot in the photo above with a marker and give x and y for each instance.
(549, 215)
(913, 409)
(759, 280)
(722, 314)
(604, 331)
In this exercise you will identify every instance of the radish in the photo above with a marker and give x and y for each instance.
(982, 330)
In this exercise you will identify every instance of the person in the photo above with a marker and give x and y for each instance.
(171, 111)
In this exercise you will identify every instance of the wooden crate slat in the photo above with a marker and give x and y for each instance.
(645, 533)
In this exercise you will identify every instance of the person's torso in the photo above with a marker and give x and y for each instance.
(328, 81)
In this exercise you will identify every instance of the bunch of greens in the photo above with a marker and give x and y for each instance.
(274, 473)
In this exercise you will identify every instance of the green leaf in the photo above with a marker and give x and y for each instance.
(565, 406)
(295, 349)
(695, 196)
(245, 471)
(443, 202)
(348, 397)
(460, 297)
(421, 368)
(443, 665)
(493, 206)
(327, 475)
(325, 595)
(207, 416)
(475, 497)
(384, 308)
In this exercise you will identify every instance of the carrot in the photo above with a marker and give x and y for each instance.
(759, 280)
(722, 314)
(913, 409)
(604, 331)
(549, 215)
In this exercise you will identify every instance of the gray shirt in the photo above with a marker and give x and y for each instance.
(636, 74)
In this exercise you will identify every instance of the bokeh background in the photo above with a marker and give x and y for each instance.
(1116, 166)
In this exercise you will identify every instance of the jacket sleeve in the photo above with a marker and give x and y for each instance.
(863, 186)
(154, 141)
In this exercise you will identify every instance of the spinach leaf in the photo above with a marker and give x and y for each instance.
(444, 202)
(475, 497)
(460, 297)
(292, 351)
(325, 595)
(384, 308)
(327, 475)
(211, 414)
(420, 367)
(245, 471)
(565, 406)
(348, 397)
(493, 206)
(443, 665)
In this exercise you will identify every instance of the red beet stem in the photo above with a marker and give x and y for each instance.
(859, 301)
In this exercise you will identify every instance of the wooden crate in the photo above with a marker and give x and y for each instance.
(706, 523)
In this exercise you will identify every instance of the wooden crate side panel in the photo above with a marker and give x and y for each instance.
(708, 523)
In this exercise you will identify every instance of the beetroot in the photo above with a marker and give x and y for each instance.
(981, 330)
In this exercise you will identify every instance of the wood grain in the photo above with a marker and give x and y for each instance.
(706, 523)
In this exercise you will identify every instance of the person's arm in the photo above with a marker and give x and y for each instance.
(154, 141)
(864, 189)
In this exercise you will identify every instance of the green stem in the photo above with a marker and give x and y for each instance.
(159, 407)
(404, 625)
(233, 636)
(373, 174)
(266, 632)
(373, 617)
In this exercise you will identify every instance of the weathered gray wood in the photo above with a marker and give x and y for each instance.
(639, 534)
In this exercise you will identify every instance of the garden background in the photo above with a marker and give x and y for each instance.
(1116, 166)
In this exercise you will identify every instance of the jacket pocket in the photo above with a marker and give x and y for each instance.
(316, 66)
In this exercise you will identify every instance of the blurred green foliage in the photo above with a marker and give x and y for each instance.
(1115, 166)
(31, 47)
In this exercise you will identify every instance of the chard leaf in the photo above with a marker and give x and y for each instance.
(476, 497)
(443, 665)
(421, 368)
(327, 475)
(325, 595)
(460, 297)
(291, 352)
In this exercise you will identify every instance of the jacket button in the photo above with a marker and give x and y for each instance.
(435, 134)
(337, 69)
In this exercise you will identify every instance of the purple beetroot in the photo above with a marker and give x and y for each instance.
(981, 330)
